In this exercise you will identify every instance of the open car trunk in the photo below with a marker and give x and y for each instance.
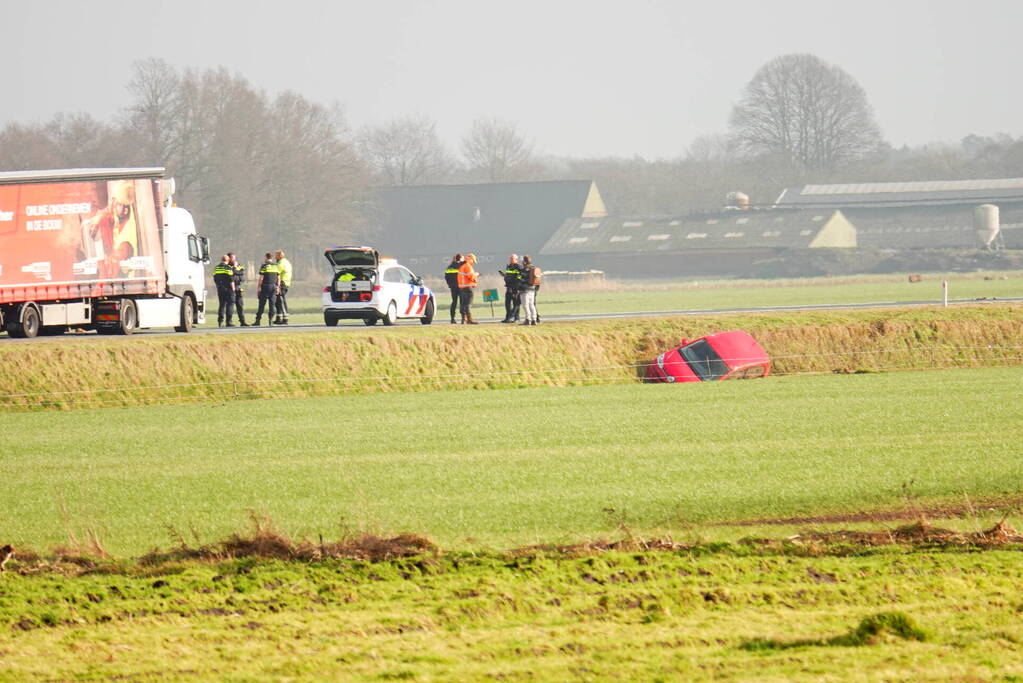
(355, 271)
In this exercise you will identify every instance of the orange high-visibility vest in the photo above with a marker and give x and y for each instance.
(467, 276)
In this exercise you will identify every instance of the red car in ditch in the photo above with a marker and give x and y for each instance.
(726, 355)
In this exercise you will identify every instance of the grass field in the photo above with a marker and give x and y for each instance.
(511, 467)
(591, 297)
(700, 614)
(742, 488)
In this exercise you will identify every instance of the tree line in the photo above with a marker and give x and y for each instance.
(272, 171)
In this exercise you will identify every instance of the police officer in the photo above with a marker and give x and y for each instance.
(269, 285)
(512, 284)
(239, 281)
(223, 278)
(451, 278)
(284, 272)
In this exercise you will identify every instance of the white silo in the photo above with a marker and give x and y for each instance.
(985, 222)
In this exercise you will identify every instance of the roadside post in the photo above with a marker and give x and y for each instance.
(491, 296)
(944, 292)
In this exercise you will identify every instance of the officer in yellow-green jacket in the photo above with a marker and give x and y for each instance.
(269, 285)
(284, 270)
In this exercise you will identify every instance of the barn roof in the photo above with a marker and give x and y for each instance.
(494, 217)
(937, 227)
(915, 193)
(914, 227)
(725, 230)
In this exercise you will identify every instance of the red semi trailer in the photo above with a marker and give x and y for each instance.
(101, 249)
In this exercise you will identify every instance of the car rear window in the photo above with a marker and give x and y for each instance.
(704, 361)
(350, 258)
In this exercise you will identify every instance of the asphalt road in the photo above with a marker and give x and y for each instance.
(356, 324)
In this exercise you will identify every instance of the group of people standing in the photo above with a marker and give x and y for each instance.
(521, 282)
(275, 275)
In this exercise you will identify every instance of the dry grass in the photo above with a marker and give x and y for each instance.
(264, 540)
(90, 372)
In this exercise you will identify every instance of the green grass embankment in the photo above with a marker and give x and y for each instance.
(705, 615)
(94, 372)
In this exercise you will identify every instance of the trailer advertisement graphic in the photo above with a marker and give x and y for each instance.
(92, 235)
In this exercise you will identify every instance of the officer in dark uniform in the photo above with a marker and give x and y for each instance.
(512, 286)
(223, 278)
(239, 282)
(451, 278)
(269, 283)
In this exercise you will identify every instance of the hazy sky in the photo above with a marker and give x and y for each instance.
(580, 78)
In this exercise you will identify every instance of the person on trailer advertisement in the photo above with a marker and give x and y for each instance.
(79, 233)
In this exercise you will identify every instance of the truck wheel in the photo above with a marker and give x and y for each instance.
(329, 320)
(29, 325)
(129, 317)
(428, 314)
(370, 320)
(187, 315)
(392, 314)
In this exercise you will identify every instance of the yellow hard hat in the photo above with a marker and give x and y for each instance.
(470, 257)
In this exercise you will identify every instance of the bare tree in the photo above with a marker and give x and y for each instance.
(406, 151)
(311, 178)
(24, 147)
(82, 141)
(153, 117)
(258, 172)
(808, 113)
(496, 151)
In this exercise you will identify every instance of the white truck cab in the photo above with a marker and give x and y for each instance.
(185, 254)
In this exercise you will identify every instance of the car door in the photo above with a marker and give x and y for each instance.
(416, 295)
(393, 288)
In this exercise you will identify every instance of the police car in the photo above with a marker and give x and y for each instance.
(370, 288)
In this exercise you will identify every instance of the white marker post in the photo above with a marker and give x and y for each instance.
(944, 292)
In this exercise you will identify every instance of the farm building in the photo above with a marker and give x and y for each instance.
(971, 214)
(424, 225)
(706, 243)
(567, 226)
(944, 214)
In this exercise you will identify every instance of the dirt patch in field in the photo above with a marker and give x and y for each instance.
(371, 548)
(269, 544)
(630, 544)
(917, 511)
(919, 534)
